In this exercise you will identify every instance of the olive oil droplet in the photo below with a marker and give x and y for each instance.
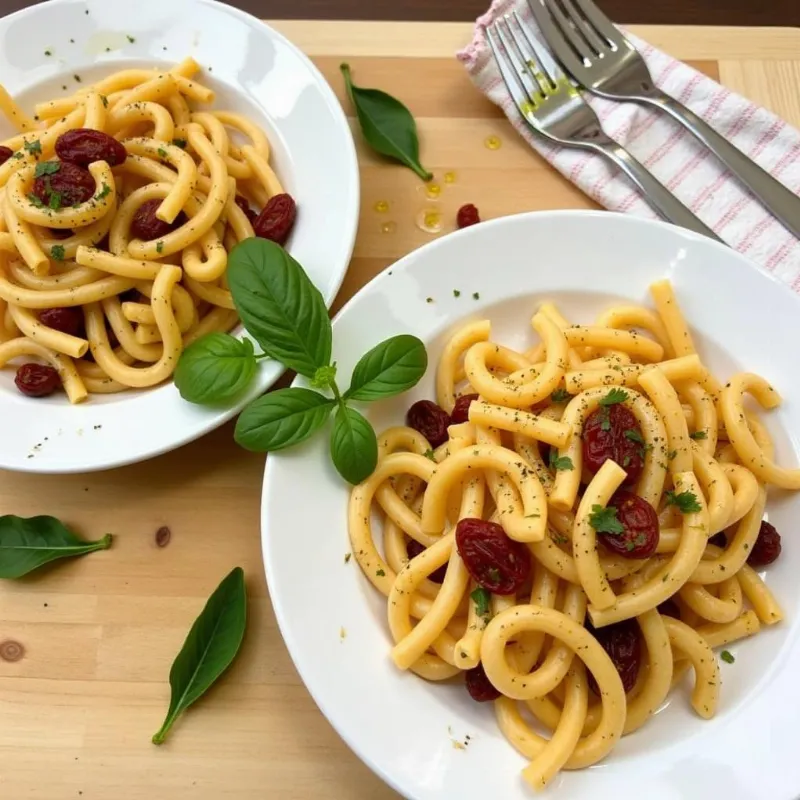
(433, 190)
(449, 177)
(388, 227)
(429, 220)
(381, 206)
(492, 142)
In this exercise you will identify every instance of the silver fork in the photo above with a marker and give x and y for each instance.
(596, 54)
(555, 109)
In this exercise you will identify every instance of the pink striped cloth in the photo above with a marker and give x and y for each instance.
(669, 151)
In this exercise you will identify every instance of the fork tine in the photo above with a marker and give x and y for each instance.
(511, 76)
(601, 23)
(531, 63)
(557, 38)
(576, 41)
(584, 27)
(533, 88)
(540, 54)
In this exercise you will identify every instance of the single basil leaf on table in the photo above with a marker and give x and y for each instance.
(209, 649)
(215, 368)
(392, 367)
(387, 124)
(27, 544)
(280, 306)
(281, 419)
(354, 446)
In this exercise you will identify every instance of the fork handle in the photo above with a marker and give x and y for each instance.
(780, 201)
(659, 197)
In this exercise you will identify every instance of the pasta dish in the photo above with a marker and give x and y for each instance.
(118, 208)
(575, 527)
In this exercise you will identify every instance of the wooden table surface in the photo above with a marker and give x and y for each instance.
(98, 634)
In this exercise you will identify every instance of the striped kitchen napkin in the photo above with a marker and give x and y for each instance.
(669, 151)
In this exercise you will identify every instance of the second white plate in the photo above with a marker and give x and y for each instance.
(334, 622)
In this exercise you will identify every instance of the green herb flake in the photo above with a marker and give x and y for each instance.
(159, 247)
(34, 147)
(105, 100)
(698, 435)
(560, 396)
(727, 656)
(182, 143)
(55, 200)
(481, 597)
(634, 436)
(613, 397)
(604, 520)
(104, 192)
(686, 502)
(560, 463)
(47, 168)
(380, 573)
(77, 78)
(130, 38)
(430, 454)
(456, 293)
(35, 200)
(57, 252)
(162, 152)
(671, 455)
(48, 52)
(476, 296)
(347, 557)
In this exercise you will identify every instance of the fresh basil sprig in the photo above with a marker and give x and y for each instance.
(286, 315)
(387, 124)
(209, 649)
(27, 544)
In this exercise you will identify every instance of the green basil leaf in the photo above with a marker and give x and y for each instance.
(27, 544)
(391, 367)
(281, 419)
(387, 124)
(280, 307)
(209, 649)
(215, 368)
(354, 446)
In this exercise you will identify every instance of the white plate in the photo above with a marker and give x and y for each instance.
(254, 70)
(400, 725)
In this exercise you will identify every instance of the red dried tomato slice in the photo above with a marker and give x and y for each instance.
(495, 562)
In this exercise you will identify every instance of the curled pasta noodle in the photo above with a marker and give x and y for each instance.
(523, 503)
(194, 161)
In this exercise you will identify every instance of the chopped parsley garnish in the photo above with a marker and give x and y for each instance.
(430, 454)
(613, 397)
(104, 192)
(34, 147)
(380, 573)
(57, 252)
(494, 574)
(559, 538)
(18, 155)
(560, 463)
(456, 293)
(476, 296)
(481, 598)
(347, 557)
(180, 143)
(604, 520)
(162, 152)
(77, 78)
(698, 435)
(672, 454)
(48, 52)
(626, 461)
(727, 656)
(605, 422)
(55, 200)
(104, 99)
(686, 502)
(560, 396)
(159, 247)
(35, 200)
(428, 299)
(130, 38)
(634, 436)
(47, 168)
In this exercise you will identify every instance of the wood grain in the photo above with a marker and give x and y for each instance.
(99, 633)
